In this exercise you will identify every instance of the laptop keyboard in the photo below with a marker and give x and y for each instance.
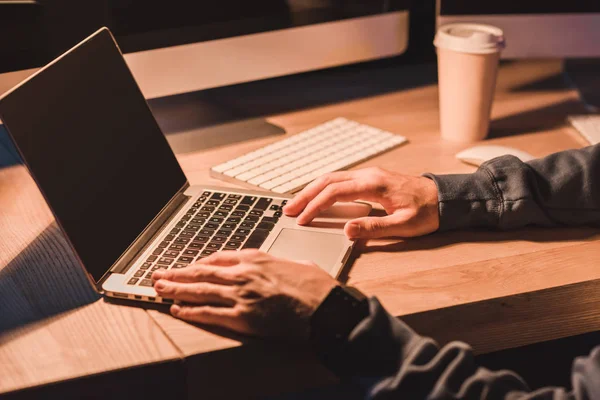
(216, 221)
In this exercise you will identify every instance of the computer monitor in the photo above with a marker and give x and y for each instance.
(179, 47)
(533, 28)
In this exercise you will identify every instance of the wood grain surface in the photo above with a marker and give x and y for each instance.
(53, 326)
(495, 289)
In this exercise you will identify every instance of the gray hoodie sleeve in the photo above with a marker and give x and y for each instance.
(561, 189)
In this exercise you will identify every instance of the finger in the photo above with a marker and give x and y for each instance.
(198, 293)
(378, 227)
(225, 258)
(339, 191)
(197, 273)
(297, 204)
(226, 317)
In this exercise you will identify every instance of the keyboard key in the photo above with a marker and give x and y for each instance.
(272, 220)
(256, 239)
(283, 203)
(155, 268)
(171, 253)
(234, 196)
(149, 275)
(163, 244)
(178, 265)
(186, 234)
(248, 200)
(169, 237)
(206, 194)
(256, 213)
(182, 240)
(248, 225)
(231, 201)
(157, 252)
(216, 220)
(203, 214)
(212, 203)
(185, 259)
(180, 224)
(165, 261)
(263, 203)
(146, 265)
(198, 221)
(242, 207)
(151, 259)
(219, 213)
(196, 245)
(192, 211)
(251, 218)
(238, 238)
(192, 228)
(228, 226)
(201, 239)
(207, 232)
(226, 207)
(211, 225)
(207, 253)
(191, 252)
(266, 226)
(146, 282)
(233, 220)
(218, 196)
(176, 247)
(243, 231)
(186, 217)
(233, 245)
(277, 214)
(223, 233)
(138, 274)
(238, 214)
(208, 208)
(219, 239)
(133, 281)
(214, 246)
(274, 207)
(175, 231)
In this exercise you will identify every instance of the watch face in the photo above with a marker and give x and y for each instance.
(338, 315)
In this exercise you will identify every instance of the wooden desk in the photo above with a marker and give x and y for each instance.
(493, 289)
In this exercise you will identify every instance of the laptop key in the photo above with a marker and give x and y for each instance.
(272, 220)
(157, 252)
(233, 245)
(219, 239)
(133, 281)
(234, 196)
(138, 273)
(220, 213)
(146, 282)
(225, 207)
(248, 200)
(151, 259)
(243, 232)
(238, 238)
(228, 226)
(238, 214)
(201, 239)
(206, 232)
(176, 247)
(175, 231)
(266, 226)
(180, 224)
(256, 239)
(196, 245)
(146, 265)
(185, 259)
(247, 225)
(178, 265)
(223, 233)
(192, 211)
(278, 214)
(213, 246)
(242, 207)
(171, 253)
(233, 220)
(256, 213)
(251, 218)
(218, 196)
(212, 203)
(207, 253)
(263, 203)
(182, 240)
(186, 234)
(206, 194)
(203, 214)
(164, 244)
(192, 228)
(231, 201)
(211, 225)
(165, 261)
(191, 252)
(208, 208)
(216, 220)
(199, 221)
(149, 275)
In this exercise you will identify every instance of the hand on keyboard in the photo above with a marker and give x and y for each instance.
(411, 202)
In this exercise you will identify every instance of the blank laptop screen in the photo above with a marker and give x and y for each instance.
(94, 148)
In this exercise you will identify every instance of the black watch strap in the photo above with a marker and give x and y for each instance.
(336, 317)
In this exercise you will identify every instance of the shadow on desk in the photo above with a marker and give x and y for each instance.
(446, 239)
(42, 281)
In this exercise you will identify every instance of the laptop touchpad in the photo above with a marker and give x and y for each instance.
(323, 249)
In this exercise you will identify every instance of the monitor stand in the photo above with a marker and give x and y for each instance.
(197, 121)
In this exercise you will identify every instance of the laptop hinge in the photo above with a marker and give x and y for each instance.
(151, 231)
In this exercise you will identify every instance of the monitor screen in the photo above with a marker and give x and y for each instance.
(95, 150)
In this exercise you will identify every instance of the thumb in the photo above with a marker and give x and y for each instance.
(376, 227)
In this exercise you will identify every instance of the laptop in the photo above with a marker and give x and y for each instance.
(97, 154)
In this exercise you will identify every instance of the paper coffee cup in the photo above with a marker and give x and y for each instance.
(468, 56)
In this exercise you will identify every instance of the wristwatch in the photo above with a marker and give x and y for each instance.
(335, 318)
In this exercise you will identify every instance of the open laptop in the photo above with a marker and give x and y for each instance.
(92, 145)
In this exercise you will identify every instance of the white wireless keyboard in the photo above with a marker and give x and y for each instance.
(588, 126)
(288, 165)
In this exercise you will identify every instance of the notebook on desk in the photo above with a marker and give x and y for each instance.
(84, 130)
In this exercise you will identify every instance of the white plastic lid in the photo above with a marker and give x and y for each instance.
(470, 38)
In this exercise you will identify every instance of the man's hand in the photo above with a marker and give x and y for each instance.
(410, 201)
(248, 292)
